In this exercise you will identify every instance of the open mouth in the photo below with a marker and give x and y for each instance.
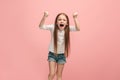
(61, 25)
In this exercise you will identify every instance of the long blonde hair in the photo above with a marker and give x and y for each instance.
(66, 35)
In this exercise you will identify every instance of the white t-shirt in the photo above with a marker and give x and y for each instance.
(60, 40)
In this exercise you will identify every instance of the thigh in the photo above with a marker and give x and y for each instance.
(52, 67)
(60, 68)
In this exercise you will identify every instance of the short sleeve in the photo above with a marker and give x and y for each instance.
(47, 27)
(73, 28)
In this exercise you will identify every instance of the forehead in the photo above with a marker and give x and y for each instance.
(62, 16)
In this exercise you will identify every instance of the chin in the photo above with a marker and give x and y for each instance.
(61, 28)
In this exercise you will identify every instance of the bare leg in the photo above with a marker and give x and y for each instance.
(52, 66)
(59, 71)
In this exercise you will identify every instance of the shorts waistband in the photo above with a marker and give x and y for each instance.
(57, 54)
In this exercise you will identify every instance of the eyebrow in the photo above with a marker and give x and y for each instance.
(63, 18)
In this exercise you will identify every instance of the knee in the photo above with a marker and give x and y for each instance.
(51, 74)
(59, 75)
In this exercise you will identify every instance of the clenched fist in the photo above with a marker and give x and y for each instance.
(75, 14)
(46, 14)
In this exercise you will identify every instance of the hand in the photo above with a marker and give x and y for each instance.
(75, 14)
(46, 14)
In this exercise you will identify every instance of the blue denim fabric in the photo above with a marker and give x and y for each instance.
(59, 58)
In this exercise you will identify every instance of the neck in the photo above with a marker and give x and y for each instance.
(61, 29)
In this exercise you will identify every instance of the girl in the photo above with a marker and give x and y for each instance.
(60, 42)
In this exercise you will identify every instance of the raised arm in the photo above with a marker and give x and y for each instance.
(43, 19)
(77, 25)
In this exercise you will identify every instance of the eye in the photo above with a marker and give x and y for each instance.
(64, 20)
(59, 19)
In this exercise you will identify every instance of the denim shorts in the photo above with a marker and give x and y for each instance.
(59, 58)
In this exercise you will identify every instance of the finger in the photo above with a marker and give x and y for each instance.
(75, 14)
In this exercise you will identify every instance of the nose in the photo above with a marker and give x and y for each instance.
(62, 21)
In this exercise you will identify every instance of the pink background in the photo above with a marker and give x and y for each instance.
(95, 50)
